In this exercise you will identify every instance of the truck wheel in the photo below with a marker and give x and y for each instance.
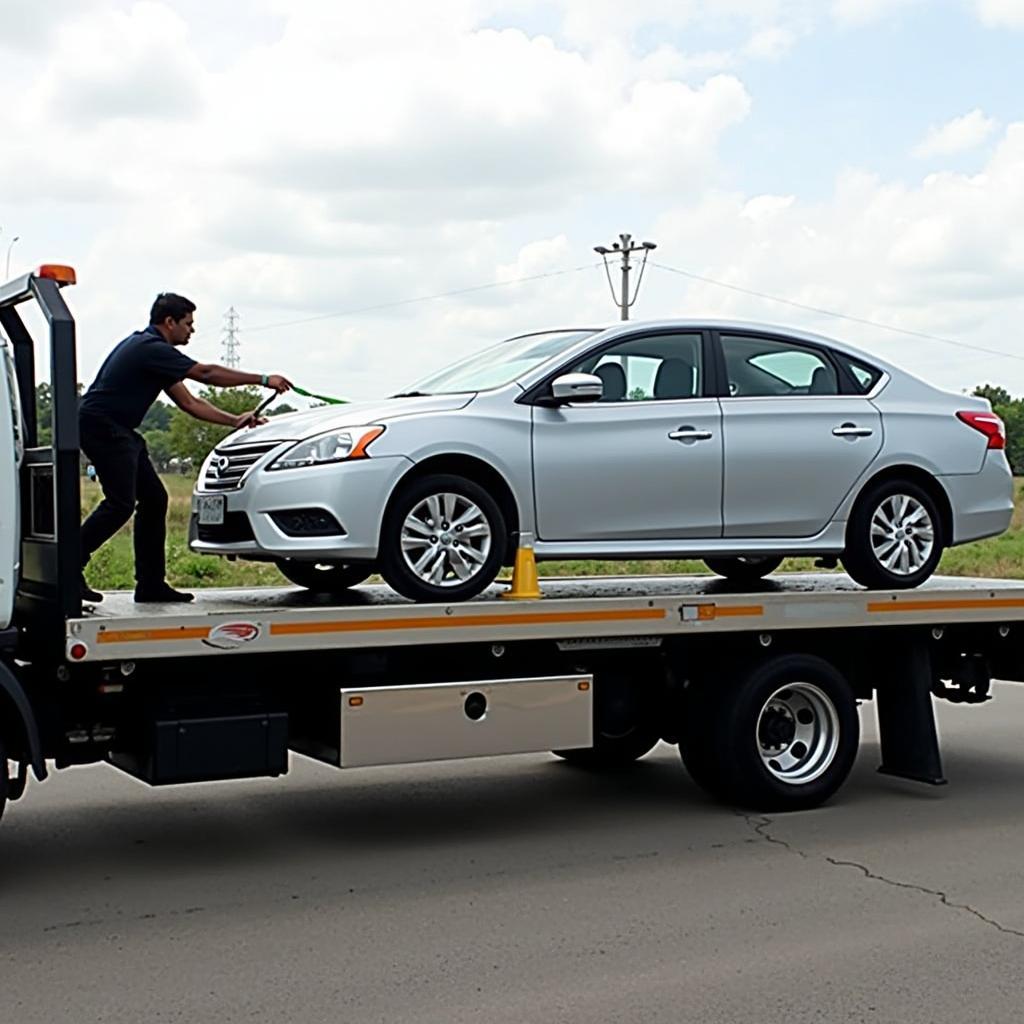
(625, 725)
(745, 569)
(782, 737)
(324, 577)
(894, 539)
(443, 539)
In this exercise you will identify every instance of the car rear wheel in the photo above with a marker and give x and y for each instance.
(745, 569)
(324, 577)
(443, 539)
(894, 540)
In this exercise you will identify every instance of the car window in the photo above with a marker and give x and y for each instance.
(651, 368)
(864, 377)
(763, 367)
(500, 364)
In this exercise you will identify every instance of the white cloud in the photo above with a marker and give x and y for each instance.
(1007, 13)
(957, 135)
(856, 13)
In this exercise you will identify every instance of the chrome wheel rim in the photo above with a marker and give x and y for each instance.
(902, 535)
(446, 539)
(798, 733)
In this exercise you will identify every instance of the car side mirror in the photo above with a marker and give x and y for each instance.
(576, 387)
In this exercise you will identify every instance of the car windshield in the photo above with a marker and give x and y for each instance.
(498, 365)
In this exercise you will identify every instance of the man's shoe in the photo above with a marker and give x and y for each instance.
(88, 594)
(163, 594)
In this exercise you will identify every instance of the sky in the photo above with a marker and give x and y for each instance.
(380, 189)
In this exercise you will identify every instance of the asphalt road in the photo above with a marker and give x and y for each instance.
(520, 889)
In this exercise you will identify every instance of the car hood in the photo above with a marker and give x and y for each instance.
(296, 426)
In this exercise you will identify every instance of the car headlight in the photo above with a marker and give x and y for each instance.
(336, 446)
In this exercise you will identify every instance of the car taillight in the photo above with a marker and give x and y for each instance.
(987, 423)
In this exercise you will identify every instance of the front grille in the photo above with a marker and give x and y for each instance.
(235, 529)
(227, 466)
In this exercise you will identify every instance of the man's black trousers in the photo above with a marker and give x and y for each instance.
(130, 484)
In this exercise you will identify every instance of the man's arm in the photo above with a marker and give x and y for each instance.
(203, 410)
(225, 377)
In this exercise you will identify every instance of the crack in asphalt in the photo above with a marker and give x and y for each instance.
(761, 824)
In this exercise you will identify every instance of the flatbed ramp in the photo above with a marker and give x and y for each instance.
(286, 619)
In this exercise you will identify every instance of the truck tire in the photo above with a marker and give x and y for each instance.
(324, 577)
(895, 520)
(781, 736)
(443, 539)
(626, 725)
(746, 569)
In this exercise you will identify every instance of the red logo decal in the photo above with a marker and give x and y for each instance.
(230, 635)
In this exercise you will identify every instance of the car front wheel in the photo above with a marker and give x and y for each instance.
(894, 540)
(443, 539)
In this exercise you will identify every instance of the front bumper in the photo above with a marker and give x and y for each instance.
(355, 493)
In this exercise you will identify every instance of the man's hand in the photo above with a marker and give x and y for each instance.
(247, 419)
(278, 383)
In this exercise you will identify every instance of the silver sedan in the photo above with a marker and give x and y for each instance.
(736, 443)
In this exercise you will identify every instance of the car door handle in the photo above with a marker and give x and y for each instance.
(852, 430)
(690, 434)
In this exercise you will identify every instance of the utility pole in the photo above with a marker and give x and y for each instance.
(231, 344)
(625, 247)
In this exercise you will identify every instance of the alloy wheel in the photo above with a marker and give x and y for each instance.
(445, 539)
(902, 534)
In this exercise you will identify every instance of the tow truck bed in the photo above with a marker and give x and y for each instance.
(283, 619)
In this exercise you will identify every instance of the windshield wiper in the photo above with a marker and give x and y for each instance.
(411, 394)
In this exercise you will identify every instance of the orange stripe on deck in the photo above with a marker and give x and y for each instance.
(736, 611)
(130, 636)
(948, 605)
(465, 621)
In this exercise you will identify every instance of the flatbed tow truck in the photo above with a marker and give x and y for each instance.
(758, 686)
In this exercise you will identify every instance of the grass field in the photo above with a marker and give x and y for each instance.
(111, 567)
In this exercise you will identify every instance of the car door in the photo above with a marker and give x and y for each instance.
(644, 462)
(794, 444)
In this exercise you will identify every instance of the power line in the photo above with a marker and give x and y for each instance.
(840, 316)
(422, 298)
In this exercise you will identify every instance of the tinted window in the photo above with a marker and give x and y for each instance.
(652, 368)
(763, 367)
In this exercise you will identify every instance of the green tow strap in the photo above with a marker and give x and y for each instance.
(319, 398)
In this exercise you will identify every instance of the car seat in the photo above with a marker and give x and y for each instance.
(674, 379)
(614, 379)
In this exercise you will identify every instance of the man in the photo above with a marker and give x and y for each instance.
(136, 371)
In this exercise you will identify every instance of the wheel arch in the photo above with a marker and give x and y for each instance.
(925, 480)
(18, 727)
(472, 468)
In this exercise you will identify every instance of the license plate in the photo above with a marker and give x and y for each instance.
(211, 510)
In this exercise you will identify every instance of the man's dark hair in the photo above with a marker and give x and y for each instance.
(170, 305)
